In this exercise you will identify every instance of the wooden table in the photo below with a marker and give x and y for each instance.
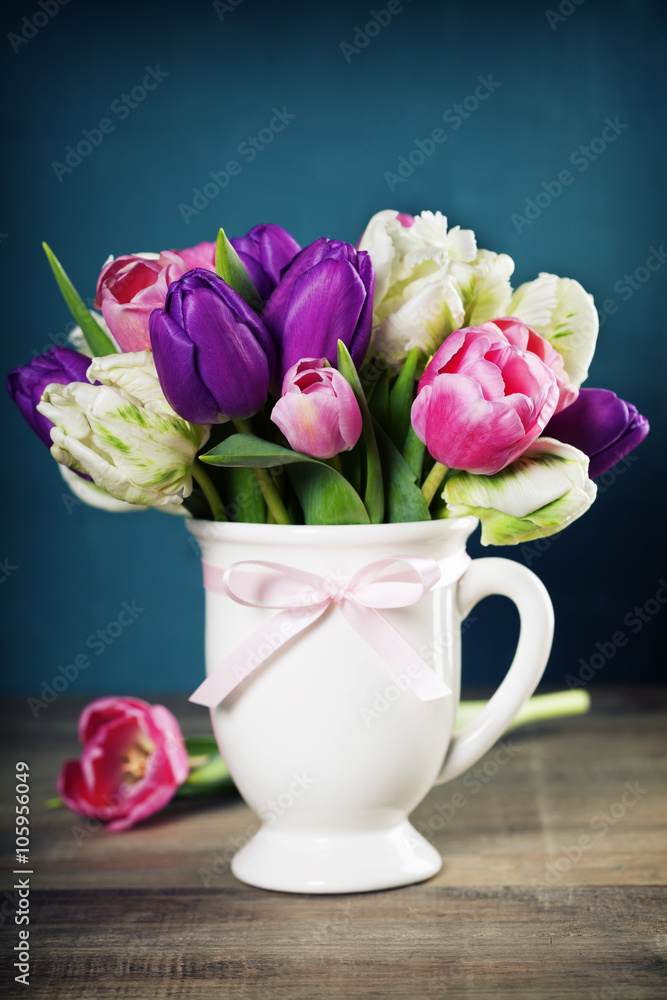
(518, 910)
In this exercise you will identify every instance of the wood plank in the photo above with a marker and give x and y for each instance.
(417, 942)
(518, 910)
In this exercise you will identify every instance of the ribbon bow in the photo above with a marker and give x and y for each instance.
(304, 597)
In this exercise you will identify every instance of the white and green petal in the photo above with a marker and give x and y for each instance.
(427, 312)
(136, 454)
(94, 495)
(485, 286)
(534, 497)
(377, 241)
(135, 374)
(565, 314)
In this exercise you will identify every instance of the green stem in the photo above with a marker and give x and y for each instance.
(208, 489)
(433, 480)
(272, 497)
(334, 462)
(242, 426)
(537, 709)
(269, 492)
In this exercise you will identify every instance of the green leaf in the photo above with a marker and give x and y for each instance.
(378, 404)
(325, 496)
(403, 498)
(251, 452)
(374, 494)
(229, 267)
(400, 400)
(413, 452)
(96, 338)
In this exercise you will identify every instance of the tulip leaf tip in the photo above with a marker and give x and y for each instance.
(229, 267)
(96, 338)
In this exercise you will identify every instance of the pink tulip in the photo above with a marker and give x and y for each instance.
(133, 760)
(527, 339)
(201, 255)
(129, 288)
(481, 401)
(318, 412)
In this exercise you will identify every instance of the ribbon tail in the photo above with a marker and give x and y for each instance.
(252, 653)
(398, 654)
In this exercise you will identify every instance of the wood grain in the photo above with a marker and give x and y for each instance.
(515, 911)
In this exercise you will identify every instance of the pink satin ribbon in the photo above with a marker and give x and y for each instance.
(304, 597)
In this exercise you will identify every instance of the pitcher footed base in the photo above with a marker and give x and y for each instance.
(353, 861)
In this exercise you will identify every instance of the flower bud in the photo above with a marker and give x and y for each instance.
(318, 412)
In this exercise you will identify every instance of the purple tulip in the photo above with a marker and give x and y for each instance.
(325, 295)
(214, 356)
(27, 383)
(318, 412)
(265, 251)
(601, 425)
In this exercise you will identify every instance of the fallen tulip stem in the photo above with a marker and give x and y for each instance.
(433, 480)
(540, 708)
(202, 478)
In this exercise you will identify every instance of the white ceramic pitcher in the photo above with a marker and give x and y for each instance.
(330, 749)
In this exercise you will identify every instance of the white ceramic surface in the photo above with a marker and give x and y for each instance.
(322, 743)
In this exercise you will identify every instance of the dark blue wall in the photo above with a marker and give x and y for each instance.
(68, 570)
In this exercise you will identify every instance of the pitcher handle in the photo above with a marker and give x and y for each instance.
(503, 576)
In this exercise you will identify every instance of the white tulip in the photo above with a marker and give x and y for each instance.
(537, 495)
(484, 286)
(417, 303)
(430, 280)
(123, 433)
(564, 313)
(93, 495)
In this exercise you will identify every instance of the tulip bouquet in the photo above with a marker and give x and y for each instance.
(253, 380)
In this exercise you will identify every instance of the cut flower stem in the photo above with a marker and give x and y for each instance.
(540, 708)
(433, 480)
(269, 492)
(201, 476)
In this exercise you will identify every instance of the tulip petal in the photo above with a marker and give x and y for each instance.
(86, 491)
(377, 242)
(491, 290)
(265, 252)
(132, 452)
(310, 424)
(226, 353)
(481, 436)
(325, 306)
(73, 789)
(600, 424)
(563, 313)
(175, 360)
(537, 495)
(27, 383)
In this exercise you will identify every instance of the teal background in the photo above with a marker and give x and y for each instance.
(73, 566)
